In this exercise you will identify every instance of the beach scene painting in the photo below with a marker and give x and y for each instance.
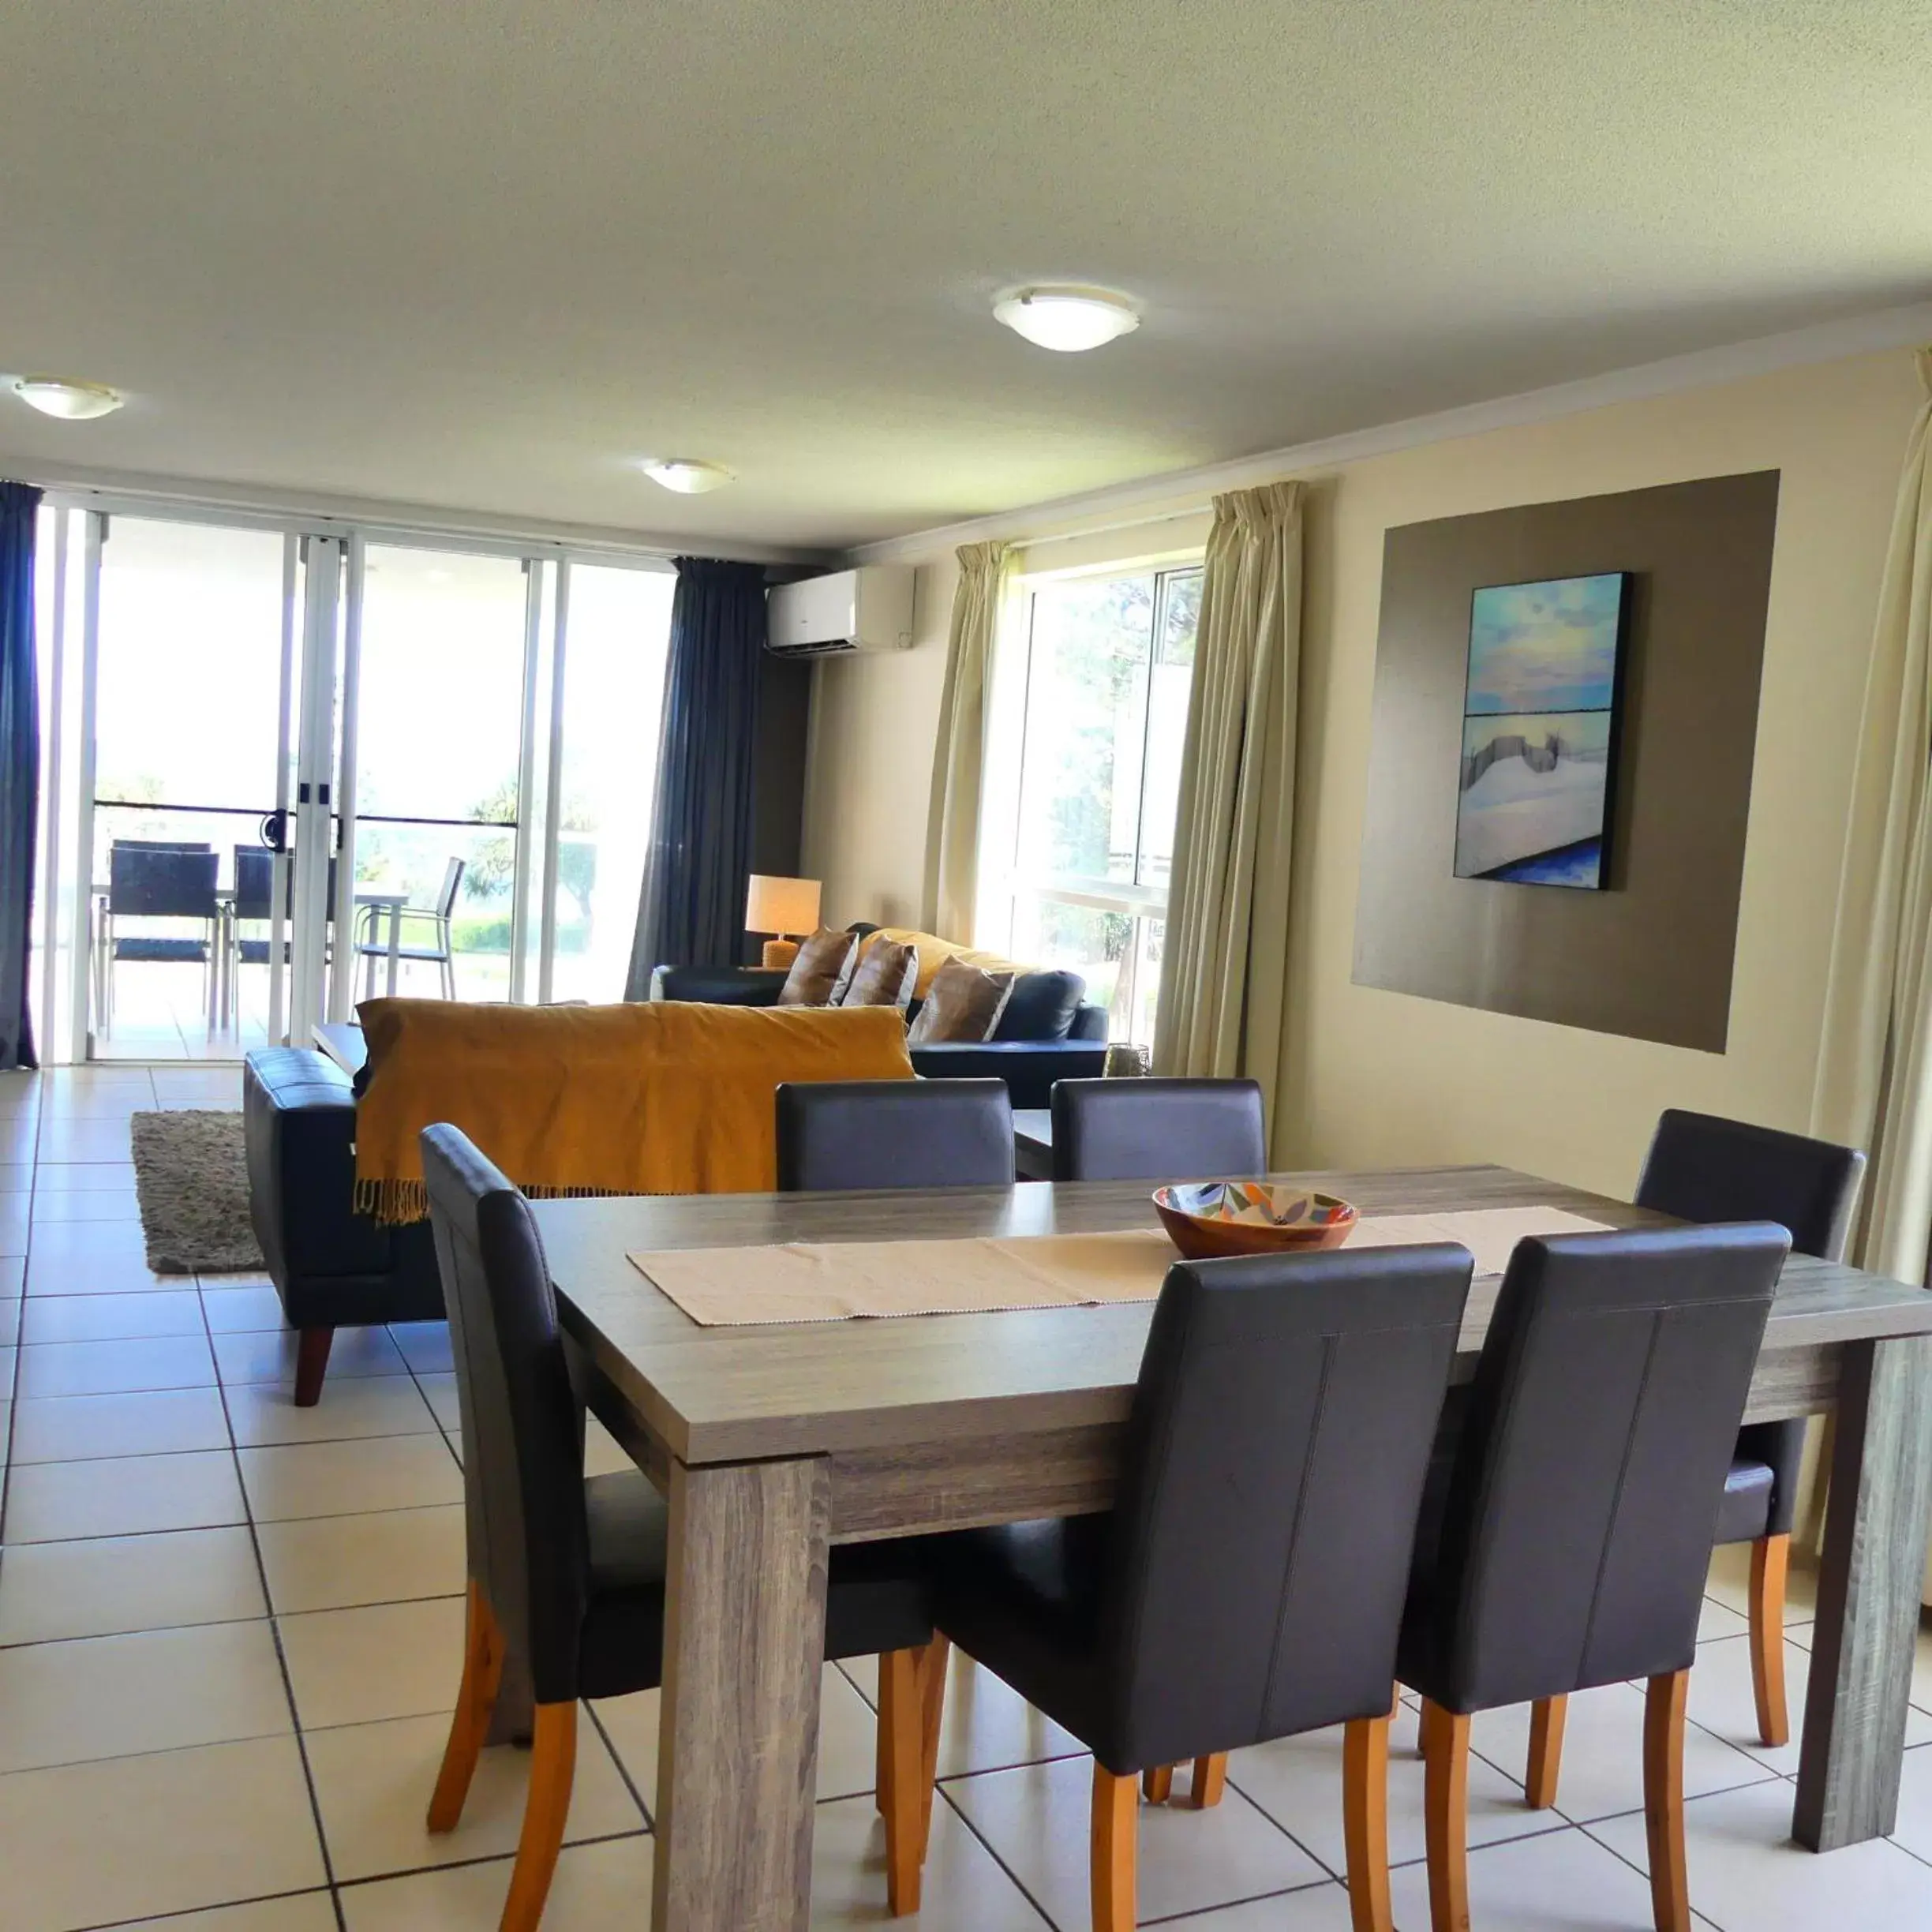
(1539, 735)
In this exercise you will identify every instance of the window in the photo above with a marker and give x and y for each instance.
(1109, 662)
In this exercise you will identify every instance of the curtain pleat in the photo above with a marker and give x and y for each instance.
(1224, 974)
(691, 911)
(20, 768)
(1874, 1078)
(959, 760)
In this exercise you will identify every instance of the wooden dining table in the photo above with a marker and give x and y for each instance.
(773, 1443)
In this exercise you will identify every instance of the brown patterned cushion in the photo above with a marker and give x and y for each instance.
(885, 977)
(963, 1003)
(813, 979)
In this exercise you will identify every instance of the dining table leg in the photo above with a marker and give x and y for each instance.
(1871, 1576)
(738, 1730)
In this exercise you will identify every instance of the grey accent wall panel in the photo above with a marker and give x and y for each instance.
(1650, 957)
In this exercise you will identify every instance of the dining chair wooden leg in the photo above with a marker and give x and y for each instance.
(476, 1698)
(553, 1765)
(938, 1655)
(1157, 1784)
(1209, 1781)
(1663, 1799)
(1546, 1737)
(1115, 1824)
(1364, 1822)
(1446, 1740)
(900, 1712)
(1770, 1561)
(883, 1767)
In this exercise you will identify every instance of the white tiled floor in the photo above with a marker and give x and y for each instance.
(231, 1628)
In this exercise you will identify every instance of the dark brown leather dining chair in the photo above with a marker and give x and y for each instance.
(836, 1134)
(1158, 1129)
(1247, 1584)
(1568, 1546)
(1702, 1168)
(572, 1569)
(915, 1133)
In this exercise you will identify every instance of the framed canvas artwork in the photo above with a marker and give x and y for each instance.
(1540, 717)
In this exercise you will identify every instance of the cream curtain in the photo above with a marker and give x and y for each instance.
(1224, 976)
(1875, 1080)
(959, 760)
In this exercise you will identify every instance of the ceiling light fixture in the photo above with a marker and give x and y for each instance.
(73, 402)
(687, 475)
(1066, 317)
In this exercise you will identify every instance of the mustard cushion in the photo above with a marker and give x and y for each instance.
(934, 952)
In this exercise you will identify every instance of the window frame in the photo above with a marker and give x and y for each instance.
(1004, 883)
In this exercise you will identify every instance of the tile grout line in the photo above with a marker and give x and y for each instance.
(464, 1864)
(275, 1634)
(623, 1769)
(196, 1912)
(6, 1446)
(940, 1792)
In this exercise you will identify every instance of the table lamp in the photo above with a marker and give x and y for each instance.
(782, 906)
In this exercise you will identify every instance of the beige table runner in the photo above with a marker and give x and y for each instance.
(838, 1281)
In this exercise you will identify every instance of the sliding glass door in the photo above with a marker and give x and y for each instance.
(612, 631)
(438, 725)
(189, 684)
(302, 767)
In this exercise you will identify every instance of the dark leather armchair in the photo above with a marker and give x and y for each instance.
(1249, 1583)
(1158, 1129)
(894, 1133)
(1701, 1168)
(570, 1570)
(1568, 1546)
(332, 1267)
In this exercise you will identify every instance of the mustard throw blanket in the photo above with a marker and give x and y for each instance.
(668, 1097)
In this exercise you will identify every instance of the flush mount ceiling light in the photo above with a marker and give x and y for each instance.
(687, 475)
(74, 402)
(1067, 316)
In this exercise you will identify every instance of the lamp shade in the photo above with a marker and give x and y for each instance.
(781, 905)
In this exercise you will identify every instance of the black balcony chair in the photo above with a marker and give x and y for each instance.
(927, 1133)
(1158, 1129)
(574, 1569)
(1568, 1545)
(153, 880)
(1249, 1583)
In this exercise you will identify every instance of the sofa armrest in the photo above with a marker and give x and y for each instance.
(718, 986)
(1090, 1022)
(298, 1125)
(1029, 1068)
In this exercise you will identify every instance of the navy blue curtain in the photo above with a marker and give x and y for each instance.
(692, 910)
(20, 767)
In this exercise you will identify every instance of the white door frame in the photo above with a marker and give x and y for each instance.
(314, 780)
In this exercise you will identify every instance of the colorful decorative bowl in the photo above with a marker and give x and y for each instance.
(1208, 1219)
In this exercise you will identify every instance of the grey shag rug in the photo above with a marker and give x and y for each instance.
(191, 1177)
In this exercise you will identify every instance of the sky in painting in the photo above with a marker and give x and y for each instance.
(1542, 647)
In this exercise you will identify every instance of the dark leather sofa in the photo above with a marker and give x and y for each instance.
(332, 1267)
(1074, 1045)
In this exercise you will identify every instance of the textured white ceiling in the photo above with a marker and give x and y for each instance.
(486, 253)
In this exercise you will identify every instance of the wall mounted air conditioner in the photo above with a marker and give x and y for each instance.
(854, 610)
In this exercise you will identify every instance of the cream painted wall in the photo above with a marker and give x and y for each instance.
(1387, 1078)
(868, 766)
